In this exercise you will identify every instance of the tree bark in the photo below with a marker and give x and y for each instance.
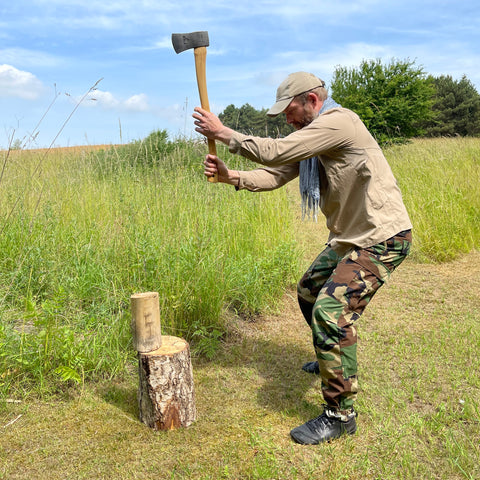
(166, 395)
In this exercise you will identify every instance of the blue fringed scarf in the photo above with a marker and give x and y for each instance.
(309, 175)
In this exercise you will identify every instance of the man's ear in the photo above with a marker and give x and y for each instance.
(314, 100)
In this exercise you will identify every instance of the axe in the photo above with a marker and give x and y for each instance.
(199, 42)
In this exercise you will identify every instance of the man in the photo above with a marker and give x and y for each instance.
(343, 172)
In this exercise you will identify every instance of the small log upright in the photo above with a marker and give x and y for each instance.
(166, 395)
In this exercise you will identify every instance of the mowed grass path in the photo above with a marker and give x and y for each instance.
(419, 407)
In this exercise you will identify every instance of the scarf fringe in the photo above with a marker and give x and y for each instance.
(310, 206)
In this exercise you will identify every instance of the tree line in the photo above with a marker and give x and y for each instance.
(396, 101)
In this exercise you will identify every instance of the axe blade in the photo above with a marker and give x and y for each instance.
(185, 41)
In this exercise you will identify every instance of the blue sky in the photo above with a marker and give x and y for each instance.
(52, 52)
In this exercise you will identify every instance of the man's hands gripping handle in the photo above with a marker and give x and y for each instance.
(209, 125)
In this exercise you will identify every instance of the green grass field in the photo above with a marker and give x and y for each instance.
(82, 231)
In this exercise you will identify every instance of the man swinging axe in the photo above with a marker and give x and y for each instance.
(344, 174)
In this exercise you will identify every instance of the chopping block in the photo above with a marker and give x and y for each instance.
(166, 394)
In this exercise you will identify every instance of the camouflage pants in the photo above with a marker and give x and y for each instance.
(332, 295)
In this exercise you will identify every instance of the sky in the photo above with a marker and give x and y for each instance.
(77, 72)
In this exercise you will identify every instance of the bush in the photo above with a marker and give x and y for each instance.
(393, 100)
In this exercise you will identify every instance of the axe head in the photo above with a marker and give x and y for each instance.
(185, 41)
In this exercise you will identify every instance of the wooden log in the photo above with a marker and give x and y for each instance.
(166, 396)
(146, 327)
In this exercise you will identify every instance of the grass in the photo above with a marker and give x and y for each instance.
(439, 179)
(419, 413)
(84, 232)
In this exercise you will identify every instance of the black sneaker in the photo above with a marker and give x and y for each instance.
(311, 367)
(326, 427)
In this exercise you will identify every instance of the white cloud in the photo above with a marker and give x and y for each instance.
(17, 83)
(108, 101)
(104, 99)
(137, 103)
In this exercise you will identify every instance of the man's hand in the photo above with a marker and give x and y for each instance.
(214, 165)
(209, 124)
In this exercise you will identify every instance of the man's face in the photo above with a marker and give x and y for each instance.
(300, 115)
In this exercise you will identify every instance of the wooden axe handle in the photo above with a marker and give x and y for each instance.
(200, 68)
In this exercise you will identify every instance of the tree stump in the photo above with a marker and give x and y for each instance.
(166, 395)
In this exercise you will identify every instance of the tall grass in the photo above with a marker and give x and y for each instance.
(81, 233)
(439, 179)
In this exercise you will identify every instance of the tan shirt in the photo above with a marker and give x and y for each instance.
(359, 195)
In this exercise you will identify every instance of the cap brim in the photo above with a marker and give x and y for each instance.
(279, 107)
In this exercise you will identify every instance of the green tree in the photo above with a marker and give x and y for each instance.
(393, 100)
(456, 108)
(251, 121)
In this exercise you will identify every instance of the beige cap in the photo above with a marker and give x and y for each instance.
(295, 84)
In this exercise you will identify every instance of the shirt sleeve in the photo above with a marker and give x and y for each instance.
(327, 132)
(264, 179)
